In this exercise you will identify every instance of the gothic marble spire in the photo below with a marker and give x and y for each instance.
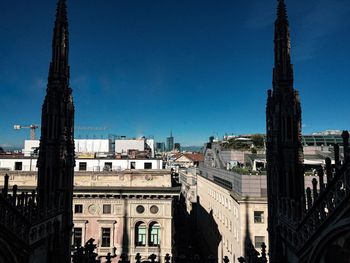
(283, 69)
(284, 152)
(56, 154)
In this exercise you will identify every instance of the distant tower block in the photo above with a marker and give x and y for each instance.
(170, 143)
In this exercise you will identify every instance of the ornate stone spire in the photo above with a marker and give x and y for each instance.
(56, 142)
(283, 70)
(284, 152)
(56, 155)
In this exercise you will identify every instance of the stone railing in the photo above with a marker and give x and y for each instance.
(324, 199)
(87, 254)
(302, 220)
(12, 220)
(16, 211)
(42, 228)
(20, 214)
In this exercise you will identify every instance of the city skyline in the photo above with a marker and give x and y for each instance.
(167, 66)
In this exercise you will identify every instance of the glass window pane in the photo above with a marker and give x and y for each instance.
(258, 216)
(106, 209)
(140, 235)
(106, 237)
(77, 236)
(154, 235)
(258, 241)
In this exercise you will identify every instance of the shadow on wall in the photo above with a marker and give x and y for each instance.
(207, 236)
(251, 255)
(181, 227)
(249, 249)
(125, 249)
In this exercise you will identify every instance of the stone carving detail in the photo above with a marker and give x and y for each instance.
(154, 209)
(140, 209)
(93, 209)
(118, 209)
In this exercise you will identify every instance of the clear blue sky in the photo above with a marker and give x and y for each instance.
(196, 67)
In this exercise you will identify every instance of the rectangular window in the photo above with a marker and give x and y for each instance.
(77, 236)
(147, 165)
(82, 166)
(106, 237)
(258, 241)
(18, 166)
(258, 216)
(108, 166)
(78, 209)
(106, 209)
(132, 165)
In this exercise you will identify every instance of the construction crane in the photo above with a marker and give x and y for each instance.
(32, 128)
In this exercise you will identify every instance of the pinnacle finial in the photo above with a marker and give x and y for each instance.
(282, 11)
(283, 72)
(61, 11)
(59, 65)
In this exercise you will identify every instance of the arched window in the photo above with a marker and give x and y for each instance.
(140, 234)
(154, 234)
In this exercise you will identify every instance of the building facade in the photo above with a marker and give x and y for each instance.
(236, 202)
(125, 212)
(224, 204)
(234, 205)
(119, 146)
(20, 163)
(189, 159)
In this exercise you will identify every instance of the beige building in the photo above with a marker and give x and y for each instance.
(233, 204)
(125, 212)
(189, 159)
(188, 180)
(230, 208)
(222, 214)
